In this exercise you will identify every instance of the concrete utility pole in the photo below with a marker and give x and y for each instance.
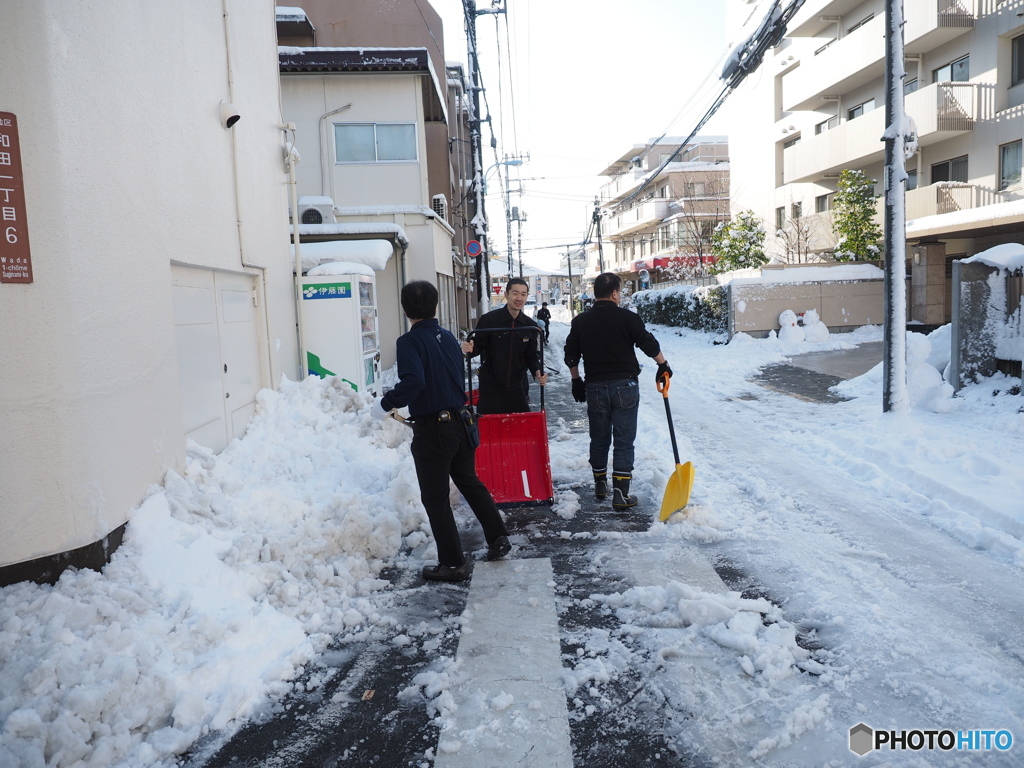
(894, 357)
(600, 246)
(483, 280)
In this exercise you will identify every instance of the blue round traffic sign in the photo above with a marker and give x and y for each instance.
(473, 248)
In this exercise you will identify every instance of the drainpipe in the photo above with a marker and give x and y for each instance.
(320, 139)
(292, 157)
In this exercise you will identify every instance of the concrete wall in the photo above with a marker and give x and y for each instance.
(755, 308)
(127, 169)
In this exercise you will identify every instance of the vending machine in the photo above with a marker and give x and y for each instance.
(339, 329)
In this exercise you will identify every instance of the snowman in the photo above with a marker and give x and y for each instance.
(789, 331)
(814, 329)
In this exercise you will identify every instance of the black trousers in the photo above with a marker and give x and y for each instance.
(441, 450)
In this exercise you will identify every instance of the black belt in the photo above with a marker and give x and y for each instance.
(442, 416)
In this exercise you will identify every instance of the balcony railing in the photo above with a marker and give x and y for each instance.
(940, 111)
(646, 214)
(947, 197)
(859, 58)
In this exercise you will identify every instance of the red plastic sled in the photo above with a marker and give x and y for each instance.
(513, 460)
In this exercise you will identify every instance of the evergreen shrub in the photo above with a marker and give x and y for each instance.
(702, 308)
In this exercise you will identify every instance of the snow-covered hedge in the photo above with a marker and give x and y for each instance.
(702, 308)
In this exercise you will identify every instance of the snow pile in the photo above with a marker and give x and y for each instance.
(924, 381)
(372, 253)
(229, 580)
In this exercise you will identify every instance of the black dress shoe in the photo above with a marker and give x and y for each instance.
(446, 572)
(499, 548)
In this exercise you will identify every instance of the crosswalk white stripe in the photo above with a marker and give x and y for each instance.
(509, 690)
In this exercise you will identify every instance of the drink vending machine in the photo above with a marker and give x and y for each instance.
(339, 329)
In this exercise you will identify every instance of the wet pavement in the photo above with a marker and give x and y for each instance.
(811, 376)
(346, 708)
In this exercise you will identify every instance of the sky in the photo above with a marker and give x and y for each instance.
(592, 78)
(893, 542)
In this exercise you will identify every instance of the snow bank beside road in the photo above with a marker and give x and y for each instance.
(229, 580)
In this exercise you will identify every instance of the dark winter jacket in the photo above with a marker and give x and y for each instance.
(544, 314)
(605, 337)
(505, 356)
(429, 371)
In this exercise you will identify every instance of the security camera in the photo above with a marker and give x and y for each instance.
(228, 114)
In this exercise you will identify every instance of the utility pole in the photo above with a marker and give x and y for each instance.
(600, 246)
(894, 357)
(568, 263)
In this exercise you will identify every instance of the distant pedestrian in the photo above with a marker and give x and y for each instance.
(507, 358)
(445, 435)
(605, 338)
(544, 315)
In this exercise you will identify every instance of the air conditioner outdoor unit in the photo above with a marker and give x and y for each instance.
(316, 209)
(440, 205)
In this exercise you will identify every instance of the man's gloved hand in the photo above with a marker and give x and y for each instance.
(579, 390)
(663, 370)
(377, 410)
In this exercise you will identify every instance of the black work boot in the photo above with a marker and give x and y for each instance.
(601, 484)
(620, 492)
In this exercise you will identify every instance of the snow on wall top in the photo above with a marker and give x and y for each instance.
(803, 275)
(340, 268)
(290, 13)
(357, 228)
(1009, 256)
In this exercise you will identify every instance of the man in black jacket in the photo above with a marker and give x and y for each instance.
(507, 356)
(431, 384)
(604, 337)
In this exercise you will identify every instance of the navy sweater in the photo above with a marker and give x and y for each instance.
(429, 371)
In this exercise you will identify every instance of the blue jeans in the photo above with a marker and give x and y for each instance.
(612, 408)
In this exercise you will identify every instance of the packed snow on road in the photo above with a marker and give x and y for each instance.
(886, 549)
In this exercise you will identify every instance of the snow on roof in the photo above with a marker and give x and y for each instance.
(371, 253)
(357, 228)
(1009, 256)
(340, 268)
(807, 274)
(290, 13)
(315, 200)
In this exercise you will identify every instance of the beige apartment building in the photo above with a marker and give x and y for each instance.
(817, 106)
(664, 232)
(382, 126)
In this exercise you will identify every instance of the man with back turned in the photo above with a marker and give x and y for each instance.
(444, 432)
(604, 337)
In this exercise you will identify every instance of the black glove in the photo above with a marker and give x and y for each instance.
(663, 370)
(579, 390)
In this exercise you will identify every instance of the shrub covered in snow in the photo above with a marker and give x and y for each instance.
(853, 218)
(739, 244)
(687, 306)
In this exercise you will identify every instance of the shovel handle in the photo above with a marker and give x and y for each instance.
(662, 382)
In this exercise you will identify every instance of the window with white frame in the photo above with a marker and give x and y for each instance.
(911, 180)
(791, 142)
(860, 23)
(375, 142)
(827, 125)
(796, 210)
(950, 170)
(909, 86)
(1017, 74)
(1009, 164)
(958, 71)
(780, 217)
(823, 203)
(860, 109)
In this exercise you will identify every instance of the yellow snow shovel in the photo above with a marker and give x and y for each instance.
(677, 492)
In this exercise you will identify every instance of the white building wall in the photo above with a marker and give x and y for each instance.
(127, 169)
(759, 124)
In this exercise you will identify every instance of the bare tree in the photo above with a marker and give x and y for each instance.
(702, 202)
(798, 240)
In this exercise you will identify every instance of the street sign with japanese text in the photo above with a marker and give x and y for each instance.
(15, 257)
